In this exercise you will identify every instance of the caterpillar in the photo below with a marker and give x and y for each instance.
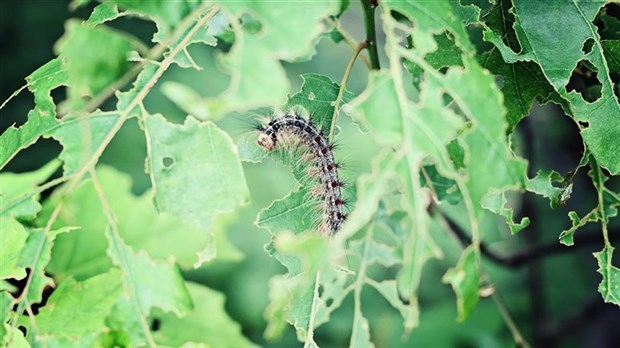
(292, 128)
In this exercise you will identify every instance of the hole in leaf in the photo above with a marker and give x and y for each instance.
(583, 124)
(587, 46)
(329, 302)
(500, 18)
(607, 22)
(168, 162)
(23, 330)
(59, 94)
(615, 79)
(584, 80)
(155, 324)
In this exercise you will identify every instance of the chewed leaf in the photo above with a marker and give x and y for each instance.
(496, 202)
(82, 254)
(465, 280)
(610, 284)
(42, 118)
(568, 37)
(36, 256)
(542, 184)
(148, 283)
(92, 70)
(80, 138)
(16, 201)
(318, 96)
(12, 241)
(178, 190)
(288, 32)
(78, 308)
(292, 213)
(218, 331)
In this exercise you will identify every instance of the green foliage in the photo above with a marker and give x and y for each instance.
(438, 130)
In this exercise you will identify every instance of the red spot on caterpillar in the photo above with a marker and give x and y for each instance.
(315, 148)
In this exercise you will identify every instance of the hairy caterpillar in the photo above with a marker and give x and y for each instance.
(292, 128)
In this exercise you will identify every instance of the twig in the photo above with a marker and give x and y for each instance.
(343, 86)
(109, 213)
(348, 38)
(371, 35)
(532, 253)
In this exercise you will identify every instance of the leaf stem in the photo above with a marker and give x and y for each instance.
(315, 299)
(520, 341)
(371, 35)
(343, 86)
(348, 38)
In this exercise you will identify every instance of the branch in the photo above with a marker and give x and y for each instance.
(536, 252)
(371, 36)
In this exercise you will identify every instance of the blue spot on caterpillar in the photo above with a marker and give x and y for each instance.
(318, 150)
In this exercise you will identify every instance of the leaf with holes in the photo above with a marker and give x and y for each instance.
(42, 118)
(558, 46)
(82, 254)
(288, 32)
(218, 331)
(17, 201)
(194, 185)
(78, 308)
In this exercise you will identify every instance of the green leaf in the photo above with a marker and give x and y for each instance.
(496, 202)
(524, 83)
(40, 119)
(611, 49)
(12, 240)
(380, 98)
(291, 213)
(361, 332)
(610, 285)
(148, 284)
(194, 185)
(187, 100)
(166, 15)
(13, 338)
(78, 308)
(542, 184)
(92, 70)
(558, 51)
(288, 32)
(103, 13)
(19, 199)
(607, 207)
(465, 280)
(434, 17)
(83, 254)
(36, 256)
(317, 96)
(81, 137)
(207, 323)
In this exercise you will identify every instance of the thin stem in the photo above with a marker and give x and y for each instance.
(348, 38)
(109, 213)
(315, 300)
(371, 35)
(520, 341)
(343, 86)
(531, 253)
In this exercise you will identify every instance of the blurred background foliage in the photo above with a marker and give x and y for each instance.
(554, 297)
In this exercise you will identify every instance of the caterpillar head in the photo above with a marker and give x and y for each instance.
(266, 141)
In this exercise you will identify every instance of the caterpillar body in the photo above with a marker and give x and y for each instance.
(315, 148)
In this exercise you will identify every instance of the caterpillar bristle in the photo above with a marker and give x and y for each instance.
(301, 142)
